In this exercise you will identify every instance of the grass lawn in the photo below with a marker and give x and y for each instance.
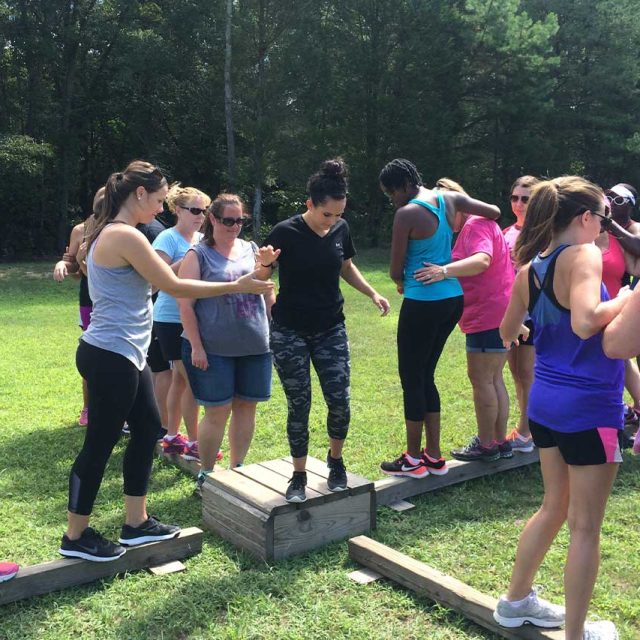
(469, 531)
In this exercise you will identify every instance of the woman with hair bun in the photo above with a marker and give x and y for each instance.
(111, 357)
(188, 205)
(575, 407)
(313, 251)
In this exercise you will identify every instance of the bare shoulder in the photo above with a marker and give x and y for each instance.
(408, 211)
(634, 228)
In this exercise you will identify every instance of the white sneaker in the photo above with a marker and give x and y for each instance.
(600, 630)
(534, 611)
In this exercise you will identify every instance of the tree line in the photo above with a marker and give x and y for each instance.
(250, 95)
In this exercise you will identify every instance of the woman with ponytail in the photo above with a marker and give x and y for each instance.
(122, 266)
(313, 251)
(575, 407)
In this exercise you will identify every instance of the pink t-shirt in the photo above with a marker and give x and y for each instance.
(486, 295)
(613, 267)
(511, 236)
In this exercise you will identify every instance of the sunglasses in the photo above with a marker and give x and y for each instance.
(196, 211)
(619, 200)
(605, 218)
(523, 199)
(229, 222)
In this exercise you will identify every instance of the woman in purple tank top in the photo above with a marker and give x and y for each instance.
(575, 407)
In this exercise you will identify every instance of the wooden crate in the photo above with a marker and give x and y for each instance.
(247, 507)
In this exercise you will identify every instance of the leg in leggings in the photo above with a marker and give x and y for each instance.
(423, 330)
(291, 359)
(117, 392)
(331, 360)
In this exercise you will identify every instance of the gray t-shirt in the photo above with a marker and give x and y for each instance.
(121, 319)
(232, 324)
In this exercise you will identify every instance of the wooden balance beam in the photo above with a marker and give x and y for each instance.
(190, 466)
(392, 489)
(439, 587)
(61, 574)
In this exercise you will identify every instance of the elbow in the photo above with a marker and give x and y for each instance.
(396, 275)
(584, 329)
(496, 212)
(617, 349)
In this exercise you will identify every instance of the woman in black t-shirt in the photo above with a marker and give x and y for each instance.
(313, 251)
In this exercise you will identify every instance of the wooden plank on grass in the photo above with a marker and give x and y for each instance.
(190, 466)
(392, 489)
(61, 574)
(439, 587)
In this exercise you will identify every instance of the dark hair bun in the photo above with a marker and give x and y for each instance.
(335, 168)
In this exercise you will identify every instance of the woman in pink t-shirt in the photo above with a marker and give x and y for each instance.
(521, 358)
(482, 264)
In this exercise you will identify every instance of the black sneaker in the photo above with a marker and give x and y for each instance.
(296, 488)
(401, 466)
(161, 434)
(337, 480)
(505, 449)
(475, 451)
(92, 546)
(149, 531)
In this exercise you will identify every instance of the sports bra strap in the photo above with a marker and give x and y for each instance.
(431, 208)
(536, 287)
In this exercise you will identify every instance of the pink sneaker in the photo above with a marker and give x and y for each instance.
(636, 443)
(8, 570)
(83, 420)
(191, 452)
(174, 446)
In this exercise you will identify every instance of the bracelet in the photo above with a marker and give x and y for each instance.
(444, 271)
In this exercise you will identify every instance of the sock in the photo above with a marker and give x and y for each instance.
(190, 443)
(411, 459)
(169, 438)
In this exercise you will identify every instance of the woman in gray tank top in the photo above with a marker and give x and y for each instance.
(226, 339)
(122, 266)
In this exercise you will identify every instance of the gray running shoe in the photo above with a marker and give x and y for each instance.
(601, 630)
(296, 489)
(534, 611)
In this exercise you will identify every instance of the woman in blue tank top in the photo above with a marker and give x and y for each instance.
(422, 234)
(575, 407)
(111, 357)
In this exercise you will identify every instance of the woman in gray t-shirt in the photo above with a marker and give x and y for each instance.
(226, 341)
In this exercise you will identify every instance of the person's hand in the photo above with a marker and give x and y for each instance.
(381, 303)
(400, 289)
(624, 292)
(523, 333)
(250, 284)
(81, 256)
(266, 256)
(199, 358)
(60, 271)
(429, 274)
(67, 257)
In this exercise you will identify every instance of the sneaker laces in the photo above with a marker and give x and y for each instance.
(298, 480)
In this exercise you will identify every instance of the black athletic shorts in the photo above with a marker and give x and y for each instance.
(592, 446)
(169, 336)
(156, 362)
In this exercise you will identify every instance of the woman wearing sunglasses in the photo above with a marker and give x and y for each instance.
(188, 205)
(111, 357)
(226, 346)
(521, 357)
(575, 406)
(313, 251)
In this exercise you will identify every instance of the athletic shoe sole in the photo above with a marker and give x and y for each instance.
(296, 499)
(8, 577)
(408, 474)
(438, 472)
(525, 449)
(512, 623)
(87, 556)
(188, 456)
(132, 542)
(334, 489)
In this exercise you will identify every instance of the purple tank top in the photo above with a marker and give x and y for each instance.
(576, 386)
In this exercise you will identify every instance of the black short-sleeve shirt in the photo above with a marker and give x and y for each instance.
(309, 297)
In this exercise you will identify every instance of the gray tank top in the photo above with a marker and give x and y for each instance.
(233, 324)
(122, 315)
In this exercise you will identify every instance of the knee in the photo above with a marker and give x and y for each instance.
(584, 528)
(555, 512)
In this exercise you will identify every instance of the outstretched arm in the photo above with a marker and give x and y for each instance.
(352, 276)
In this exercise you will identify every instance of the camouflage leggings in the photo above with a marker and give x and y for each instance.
(329, 352)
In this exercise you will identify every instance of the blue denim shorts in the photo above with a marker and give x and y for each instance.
(485, 342)
(228, 377)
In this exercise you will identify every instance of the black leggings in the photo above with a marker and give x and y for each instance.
(423, 329)
(118, 391)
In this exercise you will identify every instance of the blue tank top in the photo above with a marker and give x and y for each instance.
(122, 312)
(576, 386)
(437, 250)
